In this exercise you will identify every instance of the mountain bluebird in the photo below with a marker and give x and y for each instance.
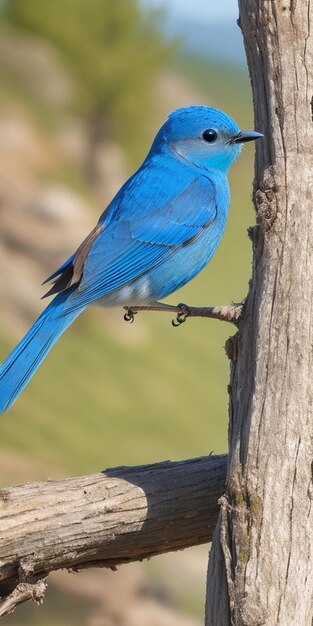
(160, 230)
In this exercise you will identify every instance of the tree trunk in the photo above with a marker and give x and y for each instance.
(261, 562)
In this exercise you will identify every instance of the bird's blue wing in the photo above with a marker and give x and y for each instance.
(131, 245)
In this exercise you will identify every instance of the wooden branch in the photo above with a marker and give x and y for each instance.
(116, 516)
(227, 313)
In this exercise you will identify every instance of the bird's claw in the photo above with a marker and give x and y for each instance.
(182, 315)
(129, 315)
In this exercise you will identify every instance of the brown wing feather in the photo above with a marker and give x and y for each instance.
(72, 274)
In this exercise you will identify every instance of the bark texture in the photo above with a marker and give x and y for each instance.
(261, 563)
(117, 516)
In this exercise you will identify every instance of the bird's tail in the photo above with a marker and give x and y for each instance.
(26, 357)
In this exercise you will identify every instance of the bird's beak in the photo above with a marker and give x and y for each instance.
(246, 135)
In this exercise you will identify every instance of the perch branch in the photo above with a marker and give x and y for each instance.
(229, 313)
(116, 516)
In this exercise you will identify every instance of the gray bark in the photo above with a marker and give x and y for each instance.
(117, 516)
(261, 563)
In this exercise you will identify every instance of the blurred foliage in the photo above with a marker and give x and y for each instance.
(225, 86)
(113, 49)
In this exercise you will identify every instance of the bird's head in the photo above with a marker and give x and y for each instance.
(204, 136)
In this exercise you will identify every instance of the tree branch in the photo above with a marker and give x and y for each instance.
(228, 313)
(116, 516)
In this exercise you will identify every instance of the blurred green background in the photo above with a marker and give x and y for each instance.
(85, 86)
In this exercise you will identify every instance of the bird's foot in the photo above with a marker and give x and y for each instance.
(182, 314)
(129, 315)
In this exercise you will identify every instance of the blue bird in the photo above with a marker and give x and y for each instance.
(159, 231)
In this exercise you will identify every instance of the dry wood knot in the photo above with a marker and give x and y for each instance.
(231, 347)
(265, 203)
(253, 232)
(21, 593)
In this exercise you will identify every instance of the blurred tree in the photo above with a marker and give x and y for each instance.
(114, 50)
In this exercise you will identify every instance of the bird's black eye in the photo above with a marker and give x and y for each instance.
(209, 135)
